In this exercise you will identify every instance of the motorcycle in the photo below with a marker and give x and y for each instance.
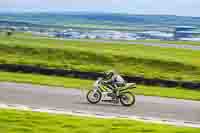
(101, 92)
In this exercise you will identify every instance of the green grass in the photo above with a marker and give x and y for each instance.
(12, 121)
(137, 60)
(87, 84)
(46, 80)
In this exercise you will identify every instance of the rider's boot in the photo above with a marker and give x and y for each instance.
(115, 96)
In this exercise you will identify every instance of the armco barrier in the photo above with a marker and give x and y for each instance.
(94, 75)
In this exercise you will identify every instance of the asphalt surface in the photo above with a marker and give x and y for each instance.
(164, 45)
(73, 99)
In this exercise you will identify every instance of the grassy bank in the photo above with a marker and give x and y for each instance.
(12, 121)
(137, 60)
(87, 84)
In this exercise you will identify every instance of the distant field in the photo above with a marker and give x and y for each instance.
(179, 93)
(13, 121)
(137, 60)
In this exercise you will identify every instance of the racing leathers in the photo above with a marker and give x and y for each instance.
(114, 83)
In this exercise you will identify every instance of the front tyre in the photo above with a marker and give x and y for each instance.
(127, 99)
(94, 96)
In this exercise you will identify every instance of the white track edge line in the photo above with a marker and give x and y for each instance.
(89, 114)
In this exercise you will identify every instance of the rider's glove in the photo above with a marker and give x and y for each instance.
(103, 82)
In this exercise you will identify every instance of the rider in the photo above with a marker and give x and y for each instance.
(113, 81)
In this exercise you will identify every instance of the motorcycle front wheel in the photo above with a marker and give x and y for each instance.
(94, 96)
(127, 99)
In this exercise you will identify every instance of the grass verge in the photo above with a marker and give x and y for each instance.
(12, 121)
(87, 84)
(137, 60)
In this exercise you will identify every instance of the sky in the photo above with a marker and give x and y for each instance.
(169, 7)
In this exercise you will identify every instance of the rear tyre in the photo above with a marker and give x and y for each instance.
(127, 99)
(94, 97)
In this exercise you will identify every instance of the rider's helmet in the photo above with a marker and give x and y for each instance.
(109, 74)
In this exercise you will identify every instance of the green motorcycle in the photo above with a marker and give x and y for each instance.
(101, 92)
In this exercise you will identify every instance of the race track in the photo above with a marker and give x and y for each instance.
(157, 44)
(73, 99)
(164, 45)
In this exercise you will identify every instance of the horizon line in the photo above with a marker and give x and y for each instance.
(90, 12)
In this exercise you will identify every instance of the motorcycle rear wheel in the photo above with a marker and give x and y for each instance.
(127, 99)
